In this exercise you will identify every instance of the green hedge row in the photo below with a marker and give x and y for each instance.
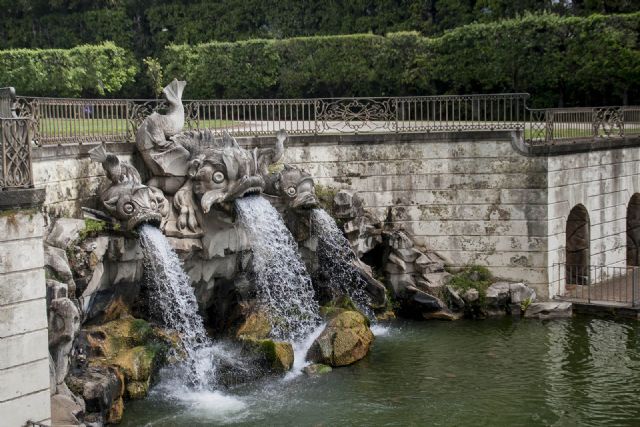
(561, 61)
(81, 71)
(63, 31)
(146, 26)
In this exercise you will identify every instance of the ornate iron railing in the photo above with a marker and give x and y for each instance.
(16, 136)
(7, 101)
(61, 120)
(65, 120)
(567, 125)
(597, 284)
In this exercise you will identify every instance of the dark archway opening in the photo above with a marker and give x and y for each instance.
(633, 231)
(577, 247)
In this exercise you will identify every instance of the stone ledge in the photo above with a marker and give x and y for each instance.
(380, 138)
(77, 151)
(580, 145)
(22, 198)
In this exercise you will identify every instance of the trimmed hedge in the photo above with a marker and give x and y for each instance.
(63, 31)
(82, 71)
(560, 60)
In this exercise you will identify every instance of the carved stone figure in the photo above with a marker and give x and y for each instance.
(295, 188)
(166, 159)
(127, 199)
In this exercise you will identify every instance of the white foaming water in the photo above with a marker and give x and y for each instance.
(335, 258)
(283, 285)
(300, 349)
(173, 303)
(379, 330)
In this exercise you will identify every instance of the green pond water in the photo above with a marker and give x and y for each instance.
(507, 372)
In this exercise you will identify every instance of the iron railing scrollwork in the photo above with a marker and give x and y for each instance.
(567, 125)
(16, 136)
(61, 120)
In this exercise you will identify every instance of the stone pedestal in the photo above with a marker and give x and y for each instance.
(24, 354)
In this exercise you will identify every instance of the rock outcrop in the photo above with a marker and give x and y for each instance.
(345, 340)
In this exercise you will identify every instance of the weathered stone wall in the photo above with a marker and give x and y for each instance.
(470, 196)
(70, 177)
(603, 182)
(24, 355)
(474, 197)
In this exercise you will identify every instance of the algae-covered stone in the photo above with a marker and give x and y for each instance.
(276, 356)
(256, 326)
(317, 369)
(137, 389)
(133, 347)
(345, 340)
(136, 363)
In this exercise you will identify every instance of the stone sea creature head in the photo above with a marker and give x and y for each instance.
(126, 199)
(135, 204)
(223, 172)
(296, 188)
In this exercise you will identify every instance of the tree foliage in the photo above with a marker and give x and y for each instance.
(82, 71)
(560, 60)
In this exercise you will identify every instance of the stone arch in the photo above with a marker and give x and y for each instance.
(578, 246)
(633, 231)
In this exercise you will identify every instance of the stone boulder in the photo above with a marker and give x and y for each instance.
(345, 340)
(255, 326)
(55, 259)
(132, 347)
(317, 369)
(64, 232)
(102, 389)
(505, 297)
(549, 310)
(273, 356)
(65, 411)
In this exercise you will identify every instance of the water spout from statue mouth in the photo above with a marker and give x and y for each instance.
(305, 201)
(152, 218)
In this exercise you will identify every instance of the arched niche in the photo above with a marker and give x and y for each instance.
(633, 231)
(577, 246)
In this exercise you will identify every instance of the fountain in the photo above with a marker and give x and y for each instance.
(223, 237)
(173, 304)
(336, 262)
(283, 285)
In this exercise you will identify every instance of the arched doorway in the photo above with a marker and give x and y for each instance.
(577, 248)
(633, 231)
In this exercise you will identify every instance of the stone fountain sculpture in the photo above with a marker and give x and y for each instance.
(192, 172)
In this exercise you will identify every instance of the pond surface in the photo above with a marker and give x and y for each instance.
(506, 372)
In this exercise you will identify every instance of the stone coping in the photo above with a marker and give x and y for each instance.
(21, 198)
(50, 152)
(579, 146)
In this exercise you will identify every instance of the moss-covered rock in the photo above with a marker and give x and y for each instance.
(345, 340)
(275, 356)
(256, 326)
(317, 369)
(133, 347)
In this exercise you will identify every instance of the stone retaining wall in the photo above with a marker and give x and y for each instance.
(474, 197)
(24, 354)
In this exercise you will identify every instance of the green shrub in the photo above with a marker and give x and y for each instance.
(473, 277)
(82, 71)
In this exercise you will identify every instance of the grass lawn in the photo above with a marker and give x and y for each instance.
(91, 127)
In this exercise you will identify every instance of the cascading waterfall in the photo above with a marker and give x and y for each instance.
(335, 258)
(173, 303)
(283, 285)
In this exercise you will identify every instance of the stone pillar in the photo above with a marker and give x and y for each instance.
(24, 353)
